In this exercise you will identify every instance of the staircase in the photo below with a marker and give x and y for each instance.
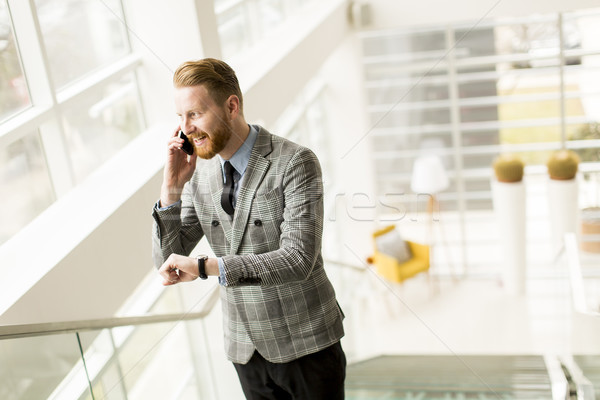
(457, 377)
(590, 369)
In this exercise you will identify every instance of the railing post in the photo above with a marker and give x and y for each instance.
(84, 365)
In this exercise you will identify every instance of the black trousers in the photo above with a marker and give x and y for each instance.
(315, 376)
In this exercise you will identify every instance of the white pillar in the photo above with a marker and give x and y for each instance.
(563, 208)
(509, 208)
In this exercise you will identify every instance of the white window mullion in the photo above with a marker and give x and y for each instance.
(57, 157)
(23, 124)
(93, 85)
(209, 32)
(561, 69)
(253, 21)
(453, 94)
(33, 55)
(41, 88)
(141, 112)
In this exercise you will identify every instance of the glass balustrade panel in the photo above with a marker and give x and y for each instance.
(37, 367)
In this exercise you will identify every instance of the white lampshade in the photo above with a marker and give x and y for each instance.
(429, 175)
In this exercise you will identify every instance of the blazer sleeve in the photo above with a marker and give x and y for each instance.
(299, 242)
(176, 229)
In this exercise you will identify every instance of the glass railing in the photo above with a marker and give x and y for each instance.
(173, 352)
(176, 351)
(159, 356)
(583, 266)
(584, 273)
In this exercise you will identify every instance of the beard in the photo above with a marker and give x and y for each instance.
(214, 142)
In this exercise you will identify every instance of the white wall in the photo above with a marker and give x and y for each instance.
(83, 257)
(355, 204)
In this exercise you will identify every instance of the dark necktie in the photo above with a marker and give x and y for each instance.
(227, 196)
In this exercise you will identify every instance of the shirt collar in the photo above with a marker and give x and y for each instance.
(240, 159)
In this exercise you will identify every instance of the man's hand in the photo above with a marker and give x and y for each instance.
(178, 170)
(178, 269)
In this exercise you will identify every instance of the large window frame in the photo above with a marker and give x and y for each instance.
(49, 105)
(442, 65)
(444, 68)
(251, 20)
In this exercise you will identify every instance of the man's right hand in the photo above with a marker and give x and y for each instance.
(178, 170)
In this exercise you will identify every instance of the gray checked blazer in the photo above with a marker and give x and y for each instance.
(277, 298)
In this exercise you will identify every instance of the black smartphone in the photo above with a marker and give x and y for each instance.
(187, 147)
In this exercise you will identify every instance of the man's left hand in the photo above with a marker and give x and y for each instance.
(178, 269)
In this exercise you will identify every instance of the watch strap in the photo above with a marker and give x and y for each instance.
(202, 267)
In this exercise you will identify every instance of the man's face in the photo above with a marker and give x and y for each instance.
(206, 123)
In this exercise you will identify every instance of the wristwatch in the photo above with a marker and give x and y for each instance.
(202, 267)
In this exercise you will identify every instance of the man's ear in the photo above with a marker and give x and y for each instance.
(233, 105)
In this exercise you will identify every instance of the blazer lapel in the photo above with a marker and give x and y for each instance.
(255, 172)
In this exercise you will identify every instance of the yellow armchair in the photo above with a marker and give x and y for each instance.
(393, 270)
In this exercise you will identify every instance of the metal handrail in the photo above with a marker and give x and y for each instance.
(61, 327)
(53, 328)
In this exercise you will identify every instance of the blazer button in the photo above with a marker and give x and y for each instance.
(215, 223)
(258, 222)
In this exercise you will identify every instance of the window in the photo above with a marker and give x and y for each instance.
(243, 23)
(472, 91)
(66, 109)
(81, 36)
(14, 96)
(26, 186)
(95, 129)
(469, 92)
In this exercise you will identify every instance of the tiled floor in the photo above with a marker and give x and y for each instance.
(467, 316)
(474, 314)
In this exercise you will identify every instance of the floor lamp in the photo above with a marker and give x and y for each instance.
(429, 177)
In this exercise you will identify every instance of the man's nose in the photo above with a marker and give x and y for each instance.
(186, 126)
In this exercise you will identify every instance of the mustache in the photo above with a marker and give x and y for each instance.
(197, 134)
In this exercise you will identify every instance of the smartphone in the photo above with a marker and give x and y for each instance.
(187, 147)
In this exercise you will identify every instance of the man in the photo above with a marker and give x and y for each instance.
(282, 323)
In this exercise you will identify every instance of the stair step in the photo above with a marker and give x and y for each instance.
(590, 367)
(449, 377)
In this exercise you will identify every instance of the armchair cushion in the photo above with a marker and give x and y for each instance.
(388, 241)
(390, 268)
